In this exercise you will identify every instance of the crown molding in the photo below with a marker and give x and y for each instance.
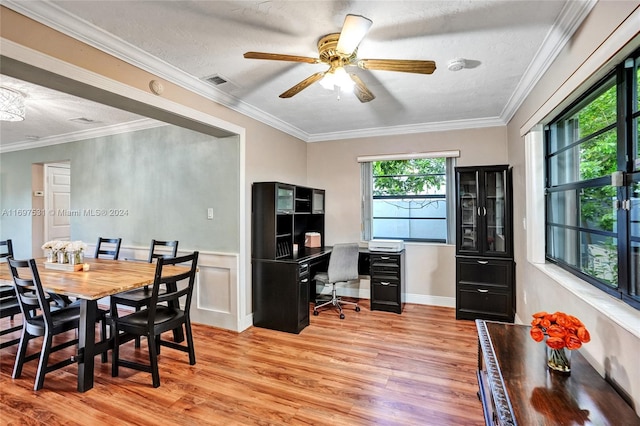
(60, 20)
(131, 126)
(55, 17)
(570, 18)
(441, 126)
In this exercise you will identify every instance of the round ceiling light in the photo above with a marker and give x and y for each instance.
(456, 64)
(11, 105)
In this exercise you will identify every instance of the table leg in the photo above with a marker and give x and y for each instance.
(86, 344)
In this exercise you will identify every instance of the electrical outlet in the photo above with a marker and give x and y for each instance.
(210, 213)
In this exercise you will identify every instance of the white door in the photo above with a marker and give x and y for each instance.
(57, 202)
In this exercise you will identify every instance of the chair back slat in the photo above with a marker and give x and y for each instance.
(6, 249)
(112, 249)
(31, 296)
(158, 245)
(161, 279)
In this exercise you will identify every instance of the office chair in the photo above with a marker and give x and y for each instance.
(343, 267)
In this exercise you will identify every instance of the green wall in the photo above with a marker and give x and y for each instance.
(162, 180)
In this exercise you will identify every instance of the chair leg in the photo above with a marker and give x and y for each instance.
(189, 335)
(153, 360)
(137, 344)
(44, 361)
(22, 352)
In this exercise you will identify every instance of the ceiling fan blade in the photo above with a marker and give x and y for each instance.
(303, 85)
(360, 89)
(354, 29)
(402, 65)
(279, 57)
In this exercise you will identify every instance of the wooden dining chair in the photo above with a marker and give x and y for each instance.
(140, 297)
(108, 248)
(6, 250)
(9, 306)
(40, 320)
(157, 318)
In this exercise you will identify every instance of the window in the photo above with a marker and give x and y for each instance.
(407, 199)
(593, 190)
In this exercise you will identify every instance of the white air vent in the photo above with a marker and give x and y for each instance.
(220, 82)
(215, 79)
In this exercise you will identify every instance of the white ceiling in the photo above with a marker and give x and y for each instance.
(507, 44)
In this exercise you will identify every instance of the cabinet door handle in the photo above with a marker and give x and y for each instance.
(482, 290)
(484, 211)
(304, 265)
(482, 262)
(305, 280)
(385, 282)
(385, 257)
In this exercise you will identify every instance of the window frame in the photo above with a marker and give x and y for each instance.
(368, 198)
(625, 83)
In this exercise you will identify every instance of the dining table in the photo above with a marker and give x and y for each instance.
(97, 279)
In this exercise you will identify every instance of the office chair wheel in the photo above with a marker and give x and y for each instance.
(357, 308)
(341, 316)
(316, 313)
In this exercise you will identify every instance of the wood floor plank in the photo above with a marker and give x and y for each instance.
(372, 368)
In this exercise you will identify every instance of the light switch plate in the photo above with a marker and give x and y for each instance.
(210, 213)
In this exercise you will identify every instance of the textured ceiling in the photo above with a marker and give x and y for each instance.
(504, 43)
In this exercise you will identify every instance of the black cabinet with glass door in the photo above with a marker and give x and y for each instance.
(485, 270)
(281, 215)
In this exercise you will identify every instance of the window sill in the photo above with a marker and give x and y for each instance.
(616, 310)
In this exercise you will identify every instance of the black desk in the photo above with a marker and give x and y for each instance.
(282, 289)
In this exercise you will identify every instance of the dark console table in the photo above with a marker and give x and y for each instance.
(516, 387)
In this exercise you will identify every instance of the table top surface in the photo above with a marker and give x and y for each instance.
(104, 277)
(516, 364)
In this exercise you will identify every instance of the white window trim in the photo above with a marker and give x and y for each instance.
(366, 203)
(408, 156)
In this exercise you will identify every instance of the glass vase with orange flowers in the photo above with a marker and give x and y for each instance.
(563, 333)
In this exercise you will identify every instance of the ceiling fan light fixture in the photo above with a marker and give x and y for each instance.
(337, 78)
(354, 29)
(11, 105)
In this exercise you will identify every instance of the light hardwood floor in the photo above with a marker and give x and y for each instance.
(372, 368)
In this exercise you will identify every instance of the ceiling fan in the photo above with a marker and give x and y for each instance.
(339, 50)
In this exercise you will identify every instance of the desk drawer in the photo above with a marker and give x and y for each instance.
(385, 259)
(387, 276)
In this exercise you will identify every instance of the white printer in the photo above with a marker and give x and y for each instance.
(386, 245)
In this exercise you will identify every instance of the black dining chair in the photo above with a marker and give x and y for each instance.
(157, 318)
(108, 248)
(140, 297)
(40, 320)
(9, 306)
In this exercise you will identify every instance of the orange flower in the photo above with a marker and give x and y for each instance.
(537, 334)
(583, 335)
(555, 342)
(576, 321)
(562, 330)
(572, 342)
(563, 320)
(556, 331)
